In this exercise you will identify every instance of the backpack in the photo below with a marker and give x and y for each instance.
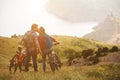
(48, 41)
(28, 39)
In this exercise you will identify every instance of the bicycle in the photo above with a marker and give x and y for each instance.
(54, 60)
(14, 62)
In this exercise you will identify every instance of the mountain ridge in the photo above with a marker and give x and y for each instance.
(106, 30)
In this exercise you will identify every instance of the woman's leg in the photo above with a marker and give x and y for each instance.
(44, 63)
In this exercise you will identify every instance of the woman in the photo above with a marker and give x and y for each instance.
(45, 42)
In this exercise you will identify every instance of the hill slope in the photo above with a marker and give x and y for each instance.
(106, 31)
(8, 46)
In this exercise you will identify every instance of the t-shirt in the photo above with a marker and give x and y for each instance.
(41, 40)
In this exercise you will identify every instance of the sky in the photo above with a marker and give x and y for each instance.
(17, 16)
(83, 10)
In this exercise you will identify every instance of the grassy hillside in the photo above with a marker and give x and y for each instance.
(8, 47)
(77, 44)
(101, 71)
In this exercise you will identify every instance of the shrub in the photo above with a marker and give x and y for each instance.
(105, 49)
(14, 36)
(93, 59)
(114, 49)
(86, 53)
(98, 52)
(101, 52)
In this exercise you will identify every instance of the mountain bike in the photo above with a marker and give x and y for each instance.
(54, 60)
(14, 63)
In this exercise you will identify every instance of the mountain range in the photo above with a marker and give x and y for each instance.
(106, 31)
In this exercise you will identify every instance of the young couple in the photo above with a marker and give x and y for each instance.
(34, 43)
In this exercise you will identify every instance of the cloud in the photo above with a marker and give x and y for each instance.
(82, 10)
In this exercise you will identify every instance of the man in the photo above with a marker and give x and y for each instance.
(31, 44)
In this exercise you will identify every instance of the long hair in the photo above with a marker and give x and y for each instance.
(41, 30)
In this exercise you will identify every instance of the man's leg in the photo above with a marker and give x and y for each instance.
(34, 59)
(27, 60)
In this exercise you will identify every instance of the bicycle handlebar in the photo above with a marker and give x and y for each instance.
(56, 43)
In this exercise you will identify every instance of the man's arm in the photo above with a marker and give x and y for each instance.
(36, 42)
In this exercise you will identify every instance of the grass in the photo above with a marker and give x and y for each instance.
(107, 71)
(66, 73)
(102, 71)
(98, 72)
